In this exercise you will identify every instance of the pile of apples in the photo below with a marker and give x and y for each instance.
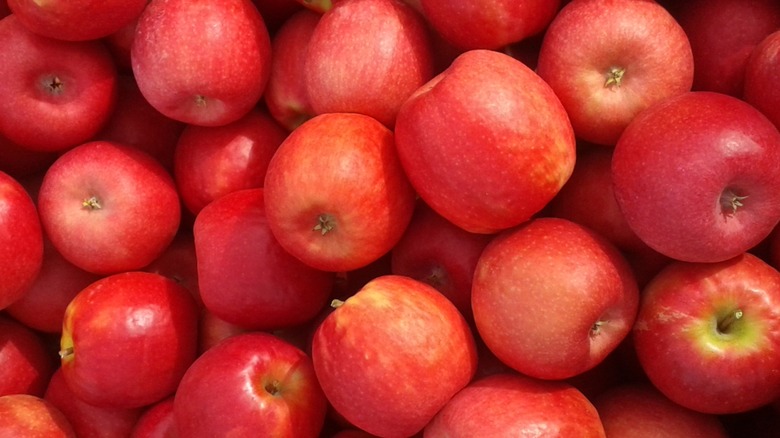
(389, 218)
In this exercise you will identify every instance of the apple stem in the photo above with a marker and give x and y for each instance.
(336, 303)
(724, 324)
(595, 329)
(614, 77)
(200, 101)
(66, 352)
(730, 202)
(92, 203)
(325, 223)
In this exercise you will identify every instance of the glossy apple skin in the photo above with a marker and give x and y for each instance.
(510, 404)
(689, 358)
(726, 148)
(21, 240)
(213, 161)
(574, 285)
(24, 415)
(127, 339)
(134, 217)
(197, 75)
(367, 57)
(761, 73)
(482, 166)
(336, 196)
(24, 358)
(245, 276)
(404, 348)
(58, 93)
(639, 410)
(489, 24)
(583, 45)
(250, 384)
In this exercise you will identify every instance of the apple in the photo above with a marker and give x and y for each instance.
(119, 43)
(21, 240)
(367, 57)
(336, 196)
(89, 421)
(210, 162)
(723, 33)
(156, 421)
(607, 67)
(250, 384)
(127, 339)
(486, 143)
(491, 24)
(404, 350)
(708, 336)
(58, 93)
(108, 207)
(24, 415)
(695, 177)
(510, 404)
(202, 63)
(639, 410)
(245, 276)
(20, 162)
(179, 263)
(24, 358)
(761, 75)
(552, 298)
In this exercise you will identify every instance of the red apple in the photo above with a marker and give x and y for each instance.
(179, 263)
(210, 162)
(639, 410)
(552, 299)
(607, 67)
(708, 334)
(490, 24)
(24, 415)
(127, 339)
(157, 421)
(486, 144)
(722, 34)
(695, 176)
(762, 73)
(24, 358)
(509, 404)
(204, 62)
(109, 208)
(57, 93)
(248, 385)
(245, 276)
(336, 196)
(404, 350)
(21, 241)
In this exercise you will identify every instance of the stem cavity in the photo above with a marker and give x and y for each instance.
(325, 224)
(614, 77)
(91, 203)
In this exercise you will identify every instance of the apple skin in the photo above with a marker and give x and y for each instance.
(708, 334)
(24, 358)
(202, 63)
(762, 72)
(210, 162)
(336, 196)
(726, 149)
(367, 57)
(639, 410)
(510, 404)
(157, 421)
(404, 349)
(490, 24)
(58, 93)
(482, 166)
(108, 207)
(574, 285)
(127, 339)
(24, 415)
(21, 241)
(606, 68)
(250, 384)
(245, 276)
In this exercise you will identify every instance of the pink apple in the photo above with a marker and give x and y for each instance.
(127, 339)
(762, 73)
(24, 415)
(203, 63)
(486, 144)
(695, 177)
(404, 350)
(510, 404)
(109, 208)
(58, 94)
(552, 298)
(336, 196)
(245, 276)
(490, 24)
(708, 335)
(24, 358)
(250, 384)
(367, 57)
(606, 68)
